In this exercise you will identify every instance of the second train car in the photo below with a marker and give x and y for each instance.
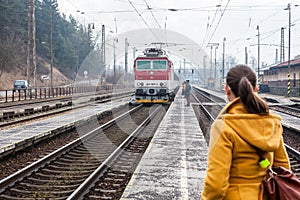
(155, 79)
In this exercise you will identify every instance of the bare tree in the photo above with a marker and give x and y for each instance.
(11, 52)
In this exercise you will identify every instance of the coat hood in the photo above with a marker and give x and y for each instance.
(262, 131)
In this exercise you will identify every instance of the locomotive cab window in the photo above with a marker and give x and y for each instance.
(159, 65)
(143, 65)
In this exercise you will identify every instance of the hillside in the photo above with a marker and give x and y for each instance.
(69, 41)
(43, 68)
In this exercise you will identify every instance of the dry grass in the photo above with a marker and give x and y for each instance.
(43, 68)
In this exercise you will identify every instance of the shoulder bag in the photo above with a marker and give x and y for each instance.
(280, 183)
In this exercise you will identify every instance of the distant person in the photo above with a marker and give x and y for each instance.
(187, 92)
(183, 87)
(233, 171)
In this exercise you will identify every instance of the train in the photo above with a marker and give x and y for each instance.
(155, 80)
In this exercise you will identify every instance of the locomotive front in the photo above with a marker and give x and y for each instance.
(154, 77)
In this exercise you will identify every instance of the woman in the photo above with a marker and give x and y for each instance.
(233, 171)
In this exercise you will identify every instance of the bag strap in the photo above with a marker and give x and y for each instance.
(263, 161)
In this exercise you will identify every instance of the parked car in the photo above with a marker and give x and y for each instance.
(21, 84)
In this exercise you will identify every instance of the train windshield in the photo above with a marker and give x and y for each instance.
(143, 65)
(159, 64)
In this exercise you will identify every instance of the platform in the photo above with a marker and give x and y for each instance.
(16, 138)
(174, 165)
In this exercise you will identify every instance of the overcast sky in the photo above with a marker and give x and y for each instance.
(200, 20)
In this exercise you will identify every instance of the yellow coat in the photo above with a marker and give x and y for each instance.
(233, 171)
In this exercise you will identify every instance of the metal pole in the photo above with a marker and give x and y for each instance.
(258, 55)
(246, 55)
(223, 64)
(210, 71)
(289, 53)
(103, 51)
(126, 56)
(51, 50)
(114, 43)
(204, 66)
(34, 43)
(211, 45)
(184, 66)
(215, 74)
(28, 41)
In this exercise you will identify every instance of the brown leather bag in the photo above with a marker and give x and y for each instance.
(281, 184)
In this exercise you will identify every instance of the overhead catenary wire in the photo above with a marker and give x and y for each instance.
(115, 21)
(210, 26)
(222, 14)
(149, 8)
(140, 15)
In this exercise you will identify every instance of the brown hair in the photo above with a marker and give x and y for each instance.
(242, 80)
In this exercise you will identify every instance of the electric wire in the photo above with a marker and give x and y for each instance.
(140, 15)
(149, 8)
(222, 14)
(209, 25)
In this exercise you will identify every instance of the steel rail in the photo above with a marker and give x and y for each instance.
(10, 180)
(92, 179)
(202, 107)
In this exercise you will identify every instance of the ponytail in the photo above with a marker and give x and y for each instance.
(242, 80)
(251, 102)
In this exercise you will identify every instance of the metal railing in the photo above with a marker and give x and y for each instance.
(47, 93)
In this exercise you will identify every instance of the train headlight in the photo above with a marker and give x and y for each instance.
(140, 84)
(163, 84)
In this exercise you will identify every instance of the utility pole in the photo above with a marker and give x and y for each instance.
(126, 56)
(204, 66)
(215, 74)
(246, 55)
(184, 66)
(114, 43)
(103, 50)
(114, 46)
(51, 50)
(34, 43)
(258, 54)
(289, 52)
(211, 45)
(223, 63)
(282, 59)
(28, 40)
(126, 61)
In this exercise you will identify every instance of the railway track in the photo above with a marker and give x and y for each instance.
(17, 160)
(58, 174)
(115, 177)
(293, 111)
(28, 111)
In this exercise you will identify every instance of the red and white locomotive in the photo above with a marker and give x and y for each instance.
(155, 80)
